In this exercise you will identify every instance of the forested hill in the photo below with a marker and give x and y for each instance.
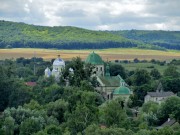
(23, 35)
(166, 39)
(18, 35)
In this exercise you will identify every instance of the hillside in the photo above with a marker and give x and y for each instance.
(166, 39)
(23, 35)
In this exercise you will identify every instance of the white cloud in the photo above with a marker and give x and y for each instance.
(93, 14)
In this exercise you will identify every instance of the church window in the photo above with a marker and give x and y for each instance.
(97, 69)
(101, 68)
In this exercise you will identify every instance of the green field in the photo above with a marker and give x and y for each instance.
(147, 66)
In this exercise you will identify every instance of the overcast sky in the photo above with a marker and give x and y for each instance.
(95, 14)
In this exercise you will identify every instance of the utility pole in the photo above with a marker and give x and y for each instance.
(34, 63)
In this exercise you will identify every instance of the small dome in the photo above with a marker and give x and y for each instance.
(58, 62)
(94, 59)
(71, 70)
(122, 90)
(47, 72)
(54, 70)
(47, 69)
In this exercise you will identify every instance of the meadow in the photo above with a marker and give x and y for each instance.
(148, 66)
(110, 54)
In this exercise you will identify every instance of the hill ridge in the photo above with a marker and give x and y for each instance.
(18, 35)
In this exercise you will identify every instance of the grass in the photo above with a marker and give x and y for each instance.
(147, 66)
(110, 54)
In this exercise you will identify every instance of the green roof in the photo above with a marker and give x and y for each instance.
(110, 81)
(122, 91)
(94, 59)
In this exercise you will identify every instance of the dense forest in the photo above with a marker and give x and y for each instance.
(166, 39)
(21, 35)
(52, 108)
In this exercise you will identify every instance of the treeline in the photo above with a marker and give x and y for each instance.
(69, 45)
(165, 39)
(20, 35)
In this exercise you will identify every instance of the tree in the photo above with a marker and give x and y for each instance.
(20, 94)
(9, 126)
(143, 132)
(81, 117)
(113, 114)
(141, 76)
(155, 74)
(171, 84)
(136, 60)
(140, 92)
(117, 69)
(32, 125)
(57, 109)
(170, 108)
(150, 107)
(81, 72)
(149, 113)
(33, 105)
(5, 89)
(53, 93)
(171, 71)
(102, 130)
(166, 131)
(53, 130)
(29, 121)
(45, 82)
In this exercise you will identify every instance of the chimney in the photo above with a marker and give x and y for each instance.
(169, 119)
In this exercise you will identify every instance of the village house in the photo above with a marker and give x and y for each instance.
(159, 96)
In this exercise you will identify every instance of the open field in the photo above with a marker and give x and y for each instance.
(110, 54)
(147, 66)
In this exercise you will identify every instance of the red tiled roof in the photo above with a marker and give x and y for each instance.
(31, 84)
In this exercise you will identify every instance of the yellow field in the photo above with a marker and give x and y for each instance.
(110, 54)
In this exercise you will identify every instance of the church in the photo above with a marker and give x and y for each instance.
(110, 87)
(58, 67)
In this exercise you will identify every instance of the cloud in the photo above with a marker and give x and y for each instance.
(93, 14)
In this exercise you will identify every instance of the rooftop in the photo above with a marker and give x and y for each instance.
(160, 94)
(122, 90)
(94, 59)
(112, 81)
(59, 62)
(31, 84)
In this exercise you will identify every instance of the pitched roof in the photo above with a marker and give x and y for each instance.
(94, 59)
(31, 84)
(160, 94)
(112, 81)
(169, 122)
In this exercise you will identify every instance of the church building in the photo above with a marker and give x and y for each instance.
(97, 61)
(58, 67)
(110, 87)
